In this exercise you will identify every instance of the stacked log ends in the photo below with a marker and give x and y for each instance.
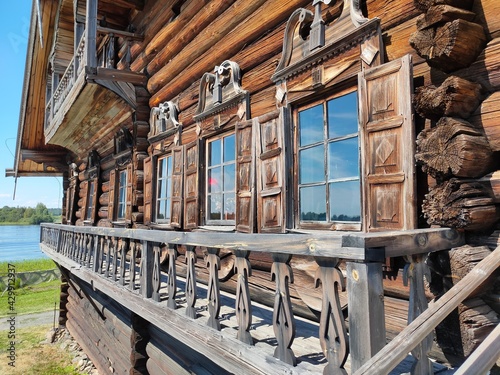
(460, 204)
(448, 45)
(454, 147)
(456, 97)
(424, 5)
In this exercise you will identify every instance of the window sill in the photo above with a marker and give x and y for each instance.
(217, 228)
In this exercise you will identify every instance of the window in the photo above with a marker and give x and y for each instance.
(328, 161)
(90, 200)
(164, 189)
(221, 182)
(122, 195)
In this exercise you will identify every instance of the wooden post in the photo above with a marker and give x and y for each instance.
(146, 279)
(366, 311)
(91, 33)
(415, 272)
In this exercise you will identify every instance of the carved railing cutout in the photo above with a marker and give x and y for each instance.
(221, 98)
(309, 42)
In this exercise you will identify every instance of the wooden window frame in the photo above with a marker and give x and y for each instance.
(221, 222)
(118, 185)
(90, 201)
(162, 222)
(347, 88)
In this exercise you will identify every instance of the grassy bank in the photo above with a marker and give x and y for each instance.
(30, 298)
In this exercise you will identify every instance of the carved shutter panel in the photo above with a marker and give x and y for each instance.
(177, 174)
(148, 190)
(270, 181)
(85, 196)
(130, 191)
(388, 138)
(112, 190)
(192, 174)
(245, 177)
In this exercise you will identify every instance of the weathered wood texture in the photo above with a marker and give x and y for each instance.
(461, 204)
(454, 147)
(486, 118)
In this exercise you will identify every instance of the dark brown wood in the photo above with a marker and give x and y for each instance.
(440, 14)
(460, 204)
(454, 147)
(486, 118)
(424, 5)
(450, 47)
(455, 97)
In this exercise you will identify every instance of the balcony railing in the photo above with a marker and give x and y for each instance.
(126, 262)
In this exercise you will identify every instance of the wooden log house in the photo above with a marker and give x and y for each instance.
(263, 186)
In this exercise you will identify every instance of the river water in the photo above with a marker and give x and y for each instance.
(19, 242)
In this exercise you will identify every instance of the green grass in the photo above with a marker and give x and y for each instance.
(34, 356)
(32, 298)
(41, 264)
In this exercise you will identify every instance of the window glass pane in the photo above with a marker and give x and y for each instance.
(311, 164)
(214, 180)
(229, 149)
(229, 177)
(343, 158)
(343, 115)
(313, 203)
(345, 201)
(122, 194)
(229, 206)
(311, 125)
(214, 152)
(214, 206)
(161, 168)
(169, 166)
(161, 210)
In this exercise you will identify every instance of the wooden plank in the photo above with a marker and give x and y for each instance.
(408, 339)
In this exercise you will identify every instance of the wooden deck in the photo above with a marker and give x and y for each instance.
(115, 282)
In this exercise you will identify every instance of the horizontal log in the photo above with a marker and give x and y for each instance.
(450, 47)
(487, 12)
(454, 147)
(460, 204)
(455, 97)
(486, 118)
(441, 14)
(424, 5)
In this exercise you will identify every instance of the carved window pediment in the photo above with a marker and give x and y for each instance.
(163, 121)
(309, 43)
(123, 147)
(93, 165)
(221, 98)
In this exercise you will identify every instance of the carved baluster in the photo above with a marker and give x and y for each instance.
(332, 330)
(96, 252)
(115, 258)
(243, 304)
(74, 244)
(283, 320)
(146, 279)
(78, 248)
(127, 59)
(110, 57)
(156, 273)
(415, 272)
(191, 291)
(131, 269)
(100, 258)
(88, 254)
(172, 277)
(109, 247)
(123, 260)
(213, 292)
(83, 249)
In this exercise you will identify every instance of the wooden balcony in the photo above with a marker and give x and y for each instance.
(97, 93)
(230, 329)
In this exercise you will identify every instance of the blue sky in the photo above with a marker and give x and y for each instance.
(14, 30)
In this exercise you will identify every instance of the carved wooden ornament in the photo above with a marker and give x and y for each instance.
(163, 121)
(221, 99)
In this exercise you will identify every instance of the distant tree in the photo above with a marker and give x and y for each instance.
(25, 215)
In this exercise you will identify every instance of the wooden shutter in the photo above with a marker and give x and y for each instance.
(148, 190)
(112, 198)
(85, 197)
(177, 174)
(245, 177)
(192, 176)
(388, 139)
(129, 192)
(270, 181)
